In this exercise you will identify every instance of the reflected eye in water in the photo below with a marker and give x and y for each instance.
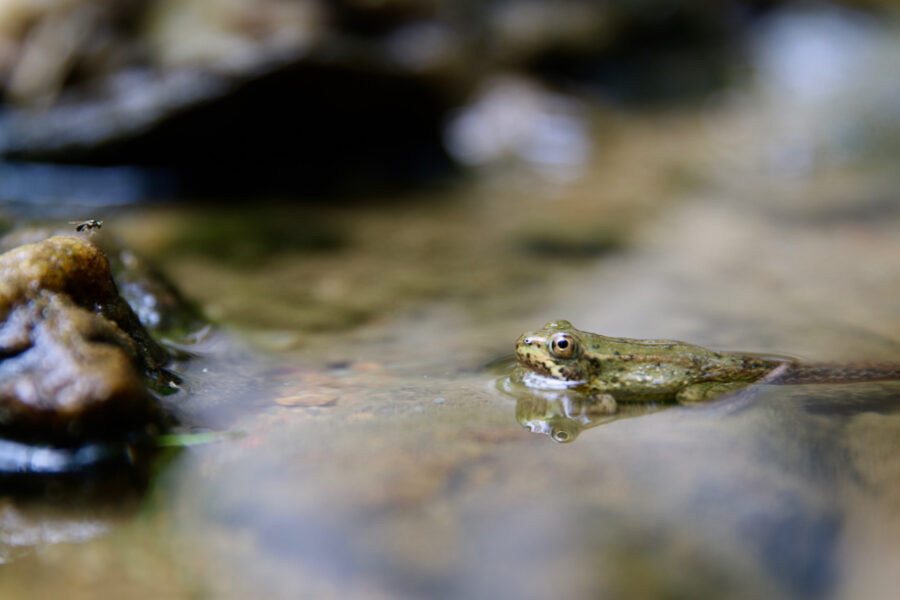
(565, 431)
(561, 436)
(562, 345)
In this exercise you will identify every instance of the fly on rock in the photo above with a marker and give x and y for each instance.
(90, 225)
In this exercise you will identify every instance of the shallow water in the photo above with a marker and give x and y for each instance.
(370, 454)
(374, 456)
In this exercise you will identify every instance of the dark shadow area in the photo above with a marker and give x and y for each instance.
(300, 129)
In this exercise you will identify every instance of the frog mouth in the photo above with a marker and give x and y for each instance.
(544, 382)
(531, 363)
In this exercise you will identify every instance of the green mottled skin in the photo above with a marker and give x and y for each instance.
(632, 370)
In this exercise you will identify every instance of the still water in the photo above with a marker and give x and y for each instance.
(366, 451)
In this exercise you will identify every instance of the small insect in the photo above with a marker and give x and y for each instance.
(90, 225)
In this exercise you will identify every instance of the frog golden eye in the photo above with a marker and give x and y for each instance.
(562, 345)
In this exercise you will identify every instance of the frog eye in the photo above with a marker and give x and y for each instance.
(562, 345)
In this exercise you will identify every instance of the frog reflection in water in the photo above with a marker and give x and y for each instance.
(563, 415)
(594, 373)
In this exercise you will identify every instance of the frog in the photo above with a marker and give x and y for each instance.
(616, 369)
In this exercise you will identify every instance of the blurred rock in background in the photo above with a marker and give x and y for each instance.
(230, 97)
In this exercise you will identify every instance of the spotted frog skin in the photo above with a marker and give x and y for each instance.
(559, 356)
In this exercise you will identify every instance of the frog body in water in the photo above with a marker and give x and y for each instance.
(559, 356)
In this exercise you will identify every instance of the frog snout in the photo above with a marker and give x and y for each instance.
(520, 345)
(525, 340)
(527, 346)
(529, 339)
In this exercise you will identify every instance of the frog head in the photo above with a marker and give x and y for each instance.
(555, 351)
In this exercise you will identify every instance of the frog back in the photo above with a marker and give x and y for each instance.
(656, 370)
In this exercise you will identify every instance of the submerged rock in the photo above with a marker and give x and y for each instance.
(72, 352)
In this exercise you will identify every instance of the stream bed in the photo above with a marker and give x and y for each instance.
(359, 446)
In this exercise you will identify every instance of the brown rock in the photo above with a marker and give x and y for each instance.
(72, 352)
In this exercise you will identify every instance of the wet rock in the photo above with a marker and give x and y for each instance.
(159, 306)
(73, 352)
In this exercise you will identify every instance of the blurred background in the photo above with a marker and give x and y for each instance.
(305, 97)
(373, 198)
